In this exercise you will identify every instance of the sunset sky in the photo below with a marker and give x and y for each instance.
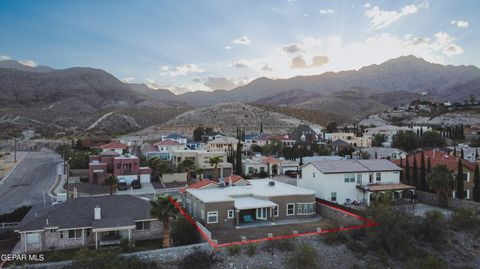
(207, 45)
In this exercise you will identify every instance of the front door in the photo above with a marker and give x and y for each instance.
(370, 178)
(262, 213)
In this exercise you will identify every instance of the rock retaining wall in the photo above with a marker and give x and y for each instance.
(432, 199)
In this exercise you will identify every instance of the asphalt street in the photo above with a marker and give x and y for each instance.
(25, 185)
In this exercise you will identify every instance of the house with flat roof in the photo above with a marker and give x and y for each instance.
(346, 181)
(261, 200)
(93, 221)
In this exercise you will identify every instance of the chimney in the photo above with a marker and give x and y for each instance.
(46, 222)
(98, 213)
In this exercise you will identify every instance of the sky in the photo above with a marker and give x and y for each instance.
(222, 44)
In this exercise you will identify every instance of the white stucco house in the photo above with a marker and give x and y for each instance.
(348, 181)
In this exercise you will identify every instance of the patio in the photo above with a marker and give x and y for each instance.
(258, 230)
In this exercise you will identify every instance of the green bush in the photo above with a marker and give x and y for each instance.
(304, 256)
(197, 260)
(251, 249)
(184, 233)
(234, 249)
(432, 228)
(126, 245)
(465, 219)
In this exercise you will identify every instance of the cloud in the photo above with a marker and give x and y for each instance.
(240, 64)
(267, 68)
(293, 48)
(228, 47)
(196, 79)
(327, 11)
(222, 83)
(4, 58)
(180, 70)
(367, 5)
(128, 80)
(383, 18)
(460, 23)
(28, 63)
(244, 40)
(317, 61)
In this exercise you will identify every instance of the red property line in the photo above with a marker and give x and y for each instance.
(367, 223)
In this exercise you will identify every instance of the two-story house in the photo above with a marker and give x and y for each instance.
(346, 181)
(201, 160)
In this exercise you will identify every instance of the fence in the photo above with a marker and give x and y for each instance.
(205, 230)
(432, 199)
(7, 225)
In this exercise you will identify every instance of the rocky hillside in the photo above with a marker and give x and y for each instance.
(75, 100)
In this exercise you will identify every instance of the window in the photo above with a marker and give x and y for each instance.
(370, 178)
(290, 209)
(212, 217)
(306, 208)
(465, 178)
(378, 177)
(142, 225)
(74, 233)
(333, 197)
(313, 174)
(230, 214)
(349, 178)
(251, 170)
(61, 234)
(127, 167)
(52, 231)
(466, 194)
(275, 211)
(262, 213)
(33, 238)
(89, 231)
(359, 179)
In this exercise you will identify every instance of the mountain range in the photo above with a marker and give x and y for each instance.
(78, 99)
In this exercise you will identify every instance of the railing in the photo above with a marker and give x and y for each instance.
(6, 225)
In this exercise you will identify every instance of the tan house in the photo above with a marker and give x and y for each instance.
(88, 221)
(201, 159)
(350, 138)
(262, 200)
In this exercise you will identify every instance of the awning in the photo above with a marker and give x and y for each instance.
(242, 203)
(386, 187)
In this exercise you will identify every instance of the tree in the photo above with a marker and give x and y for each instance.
(432, 139)
(238, 158)
(460, 189)
(401, 173)
(332, 127)
(423, 173)
(165, 211)
(197, 133)
(111, 181)
(475, 141)
(476, 186)
(214, 161)
(159, 167)
(378, 139)
(187, 166)
(415, 172)
(184, 233)
(442, 181)
(407, 171)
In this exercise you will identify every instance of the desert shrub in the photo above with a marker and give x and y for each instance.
(357, 247)
(234, 249)
(432, 228)
(184, 233)
(430, 262)
(251, 249)
(197, 260)
(465, 219)
(392, 236)
(304, 256)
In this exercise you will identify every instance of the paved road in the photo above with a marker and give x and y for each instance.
(25, 184)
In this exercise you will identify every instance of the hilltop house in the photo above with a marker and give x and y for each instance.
(304, 134)
(224, 143)
(111, 162)
(262, 200)
(87, 221)
(469, 153)
(384, 153)
(180, 139)
(254, 165)
(346, 181)
(166, 147)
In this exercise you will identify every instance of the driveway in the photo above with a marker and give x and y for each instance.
(25, 185)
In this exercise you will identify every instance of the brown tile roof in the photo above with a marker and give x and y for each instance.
(234, 178)
(114, 145)
(201, 184)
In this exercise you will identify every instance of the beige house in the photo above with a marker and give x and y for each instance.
(201, 159)
(262, 200)
(87, 221)
(350, 138)
(222, 144)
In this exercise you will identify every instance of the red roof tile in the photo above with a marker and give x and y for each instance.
(436, 158)
(234, 178)
(201, 184)
(114, 145)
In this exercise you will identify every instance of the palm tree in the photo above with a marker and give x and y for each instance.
(214, 161)
(111, 181)
(159, 166)
(187, 165)
(165, 211)
(199, 173)
(442, 181)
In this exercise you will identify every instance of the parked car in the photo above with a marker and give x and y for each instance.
(291, 173)
(122, 185)
(136, 184)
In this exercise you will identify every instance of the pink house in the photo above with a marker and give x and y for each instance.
(112, 162)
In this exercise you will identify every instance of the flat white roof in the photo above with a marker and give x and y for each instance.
(249, 202)
(257, 188)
